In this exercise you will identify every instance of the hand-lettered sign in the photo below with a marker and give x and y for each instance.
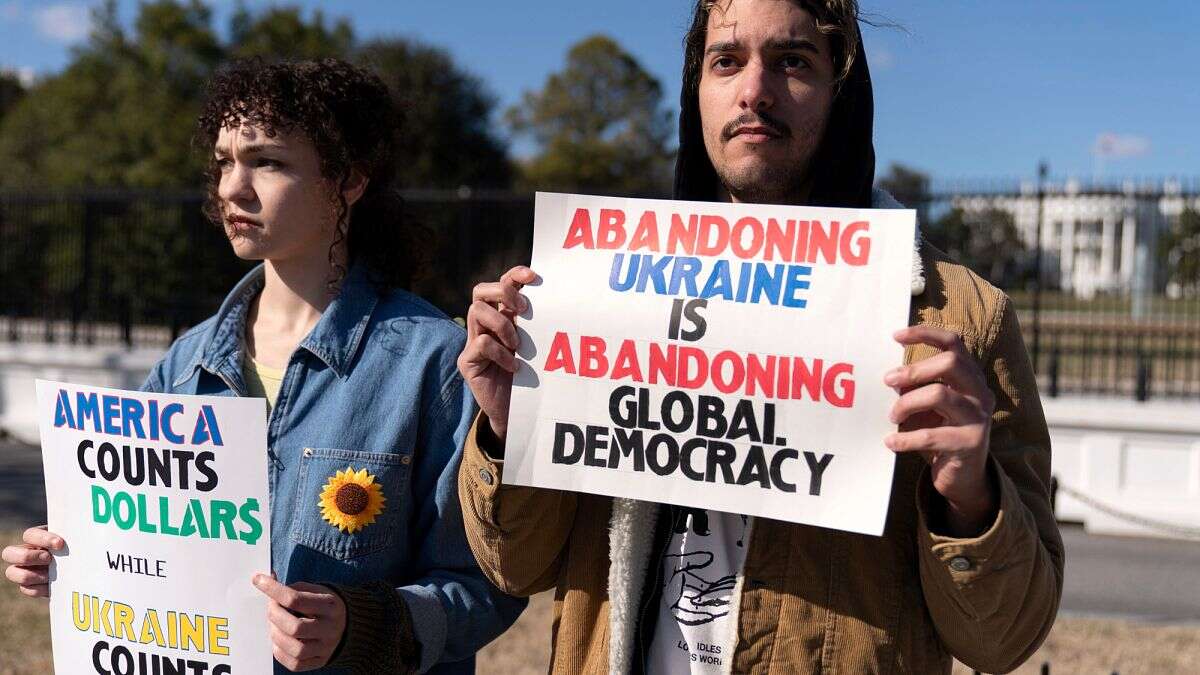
(715, 355)
(162, 501)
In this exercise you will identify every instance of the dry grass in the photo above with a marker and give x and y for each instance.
(24, 632)
(1075, 646)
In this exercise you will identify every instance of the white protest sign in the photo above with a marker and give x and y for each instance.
(714, 355)
(163, 503)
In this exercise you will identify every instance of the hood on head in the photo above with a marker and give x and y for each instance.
(843, 168)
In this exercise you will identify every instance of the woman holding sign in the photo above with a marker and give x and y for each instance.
(367, 412)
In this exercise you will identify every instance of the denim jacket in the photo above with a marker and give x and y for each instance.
(374, 386)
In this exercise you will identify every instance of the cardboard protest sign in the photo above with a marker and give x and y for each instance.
(162, 501)
(724, 356)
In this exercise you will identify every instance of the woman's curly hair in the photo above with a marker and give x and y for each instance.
(349, 115)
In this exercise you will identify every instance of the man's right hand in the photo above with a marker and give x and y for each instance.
(29, 562)
(489, 359)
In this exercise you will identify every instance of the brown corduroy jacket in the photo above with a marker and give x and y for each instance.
(814, 600)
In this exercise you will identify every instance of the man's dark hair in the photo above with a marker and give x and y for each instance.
(348, 114)
(837, 19)
(846, 155)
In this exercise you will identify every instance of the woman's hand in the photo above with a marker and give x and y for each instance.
(489, 359)
(306, 621)
(29, 561)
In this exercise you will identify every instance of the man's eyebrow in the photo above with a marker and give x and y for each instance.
(777, 44)
(722, 47)
(793, 44)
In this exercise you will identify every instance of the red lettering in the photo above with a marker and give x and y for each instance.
(824, 241)
(734, 382)
(856, 255)
(845, 397)
(780, 240)
(662, 364)
(809, 379)
(738, 236)
(713, 227)
(646, 234)
(580, 232)
(612, 229)
(560, 355)
(689, 378)
(682, 236)
(626, 364)
(592, 362)
(758, 375)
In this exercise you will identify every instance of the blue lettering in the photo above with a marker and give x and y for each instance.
(168, 432)
(62, 410)
(614, 279)
(87, 407)
(795, 284)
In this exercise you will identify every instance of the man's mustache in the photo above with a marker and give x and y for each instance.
(759, 119)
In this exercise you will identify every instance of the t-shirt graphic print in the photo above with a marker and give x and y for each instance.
(696, 631)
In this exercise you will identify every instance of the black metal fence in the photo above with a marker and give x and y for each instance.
(137, 268)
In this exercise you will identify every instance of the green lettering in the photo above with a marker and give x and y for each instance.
(101, 505)
(248, 510)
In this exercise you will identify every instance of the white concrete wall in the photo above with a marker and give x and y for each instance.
(1142, 459)
(22, 363)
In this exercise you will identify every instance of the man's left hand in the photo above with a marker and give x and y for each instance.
(945, 414)
(306, 622)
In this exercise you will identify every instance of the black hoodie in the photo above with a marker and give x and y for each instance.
(843, 169)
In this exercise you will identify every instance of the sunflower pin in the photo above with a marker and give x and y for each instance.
(351, 500)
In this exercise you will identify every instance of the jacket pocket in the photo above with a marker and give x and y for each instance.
(350, 503)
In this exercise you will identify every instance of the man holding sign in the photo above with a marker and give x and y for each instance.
(705, 405)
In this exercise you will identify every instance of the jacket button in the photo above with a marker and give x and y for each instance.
(960, 564)
(308, 452)
(486, 476)
(407, 459)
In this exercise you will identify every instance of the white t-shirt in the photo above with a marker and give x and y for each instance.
(696, 631)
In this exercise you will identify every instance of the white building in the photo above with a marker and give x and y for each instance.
(1094, 239)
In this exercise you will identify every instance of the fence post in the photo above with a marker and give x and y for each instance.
(79, 299)
(1143, 377)
(1043, 170)
(1053, 393)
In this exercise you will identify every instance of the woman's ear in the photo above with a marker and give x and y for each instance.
(354, 187)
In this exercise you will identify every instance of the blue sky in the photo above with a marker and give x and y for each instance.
(966, 89)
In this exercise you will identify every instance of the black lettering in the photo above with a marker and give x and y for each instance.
(710, 421)
(84, 445)
(561, 455)
(720, 454)
(644, 421)
(817, 467)
(210, 475)
(158, 466)
(687, 412)
(131, 459)
(597, 440)
(616, 401)
(108, 469)
(777, 469)
(628, 444)
(667, 467)
(676, 311)
(754, 469)
(685, 458)
(97, 649)
(744, 422)
(691, 311)
(183, 460)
